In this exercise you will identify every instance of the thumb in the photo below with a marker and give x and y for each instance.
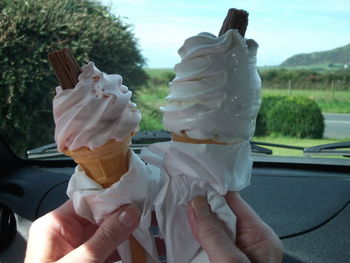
(113, 231)
(210, 232)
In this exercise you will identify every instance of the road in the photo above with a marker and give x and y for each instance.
(337, 125)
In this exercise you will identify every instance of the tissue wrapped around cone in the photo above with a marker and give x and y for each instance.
(105, 164)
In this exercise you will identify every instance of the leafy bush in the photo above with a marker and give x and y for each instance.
(29, 31)
(151, 119)
(296, 117)
(169, 76)
(162, 78)
(267, 104)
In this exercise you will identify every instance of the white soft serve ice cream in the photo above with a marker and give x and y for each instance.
(216, 91)
(96, 110)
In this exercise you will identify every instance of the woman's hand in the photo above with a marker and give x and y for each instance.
(63, 236)
(255, 241)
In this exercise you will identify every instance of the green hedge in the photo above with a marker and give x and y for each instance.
(290, 116)
(266, 105)
(29, 31)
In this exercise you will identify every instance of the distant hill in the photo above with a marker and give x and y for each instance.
(339, 55)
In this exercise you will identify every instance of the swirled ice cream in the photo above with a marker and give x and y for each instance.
(94, 124)
(216, 91)
(96, 110)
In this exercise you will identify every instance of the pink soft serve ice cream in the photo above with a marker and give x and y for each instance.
(96, 110)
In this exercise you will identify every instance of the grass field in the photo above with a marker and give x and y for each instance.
(157, 72)
(328, 101)
(336, 102)
(149, 99)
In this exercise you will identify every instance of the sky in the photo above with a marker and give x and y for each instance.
(282, 28)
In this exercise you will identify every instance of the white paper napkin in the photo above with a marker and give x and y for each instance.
(189, 170)
(174, 174)
(138, 186)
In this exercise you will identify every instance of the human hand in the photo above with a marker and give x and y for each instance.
(254, 238)
(63, 236)
(255, 241)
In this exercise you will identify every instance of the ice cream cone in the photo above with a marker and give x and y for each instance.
(105, 164)
(109, 162)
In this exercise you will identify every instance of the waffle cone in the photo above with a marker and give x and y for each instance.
(186, 139)
(105, 164)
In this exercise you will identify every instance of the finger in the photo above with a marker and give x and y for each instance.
(67, 210)
(77, 229)
(44, 236)
(240, 208)
(210, 232)
(248, 222)
(67, 207)
(254, 236)
(114, 231)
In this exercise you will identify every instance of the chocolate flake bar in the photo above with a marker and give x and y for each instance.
(66, 67)
(235, 19)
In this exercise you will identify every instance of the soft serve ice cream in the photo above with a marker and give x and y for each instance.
(214, 97)
(216, 91)
(94, 124)
(96, 110)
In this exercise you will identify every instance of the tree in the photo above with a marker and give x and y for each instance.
(29, 30)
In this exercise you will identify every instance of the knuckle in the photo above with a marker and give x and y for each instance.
(211, 231)
(107, 235)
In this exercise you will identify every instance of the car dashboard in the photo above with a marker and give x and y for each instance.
(305, 201)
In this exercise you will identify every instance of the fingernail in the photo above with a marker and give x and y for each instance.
(200, 206)
(130, 216)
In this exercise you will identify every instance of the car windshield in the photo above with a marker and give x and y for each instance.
(303, 61)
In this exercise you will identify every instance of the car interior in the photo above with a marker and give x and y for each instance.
(307, 203)
(304, 198)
